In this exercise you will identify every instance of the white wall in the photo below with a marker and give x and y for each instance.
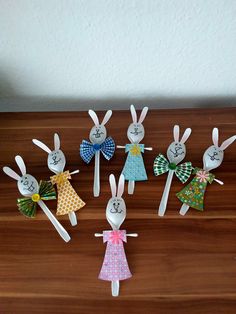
(117, 48)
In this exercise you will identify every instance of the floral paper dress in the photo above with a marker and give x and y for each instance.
(68, 200)
(134, 169)
(115, 265)
(193, 193)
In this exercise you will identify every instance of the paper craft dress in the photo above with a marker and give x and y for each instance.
(68, 200)
(115, 265)
(134, 169)
(193, 193)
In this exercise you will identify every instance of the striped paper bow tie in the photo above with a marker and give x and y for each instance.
(162, 165)
(88, 150)
(28, 205)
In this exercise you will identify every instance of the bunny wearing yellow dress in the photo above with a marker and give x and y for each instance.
(68, 200)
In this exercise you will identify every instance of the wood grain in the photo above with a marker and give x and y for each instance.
(179, 264)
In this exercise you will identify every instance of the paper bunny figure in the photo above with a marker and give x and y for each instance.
(193, 194)
(34, 194)
(68, 200)
(99, 143)
(134, 168)
(115, 266)
(175, 153)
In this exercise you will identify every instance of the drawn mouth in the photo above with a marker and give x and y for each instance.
(97, 135)
(176, 153)
(213, 157)
(136, 132)
(115, 209)
(30, 188)
(55, 161)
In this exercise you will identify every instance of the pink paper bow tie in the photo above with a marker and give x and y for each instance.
(116, 237)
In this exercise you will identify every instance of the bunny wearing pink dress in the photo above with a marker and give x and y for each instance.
(115, 266)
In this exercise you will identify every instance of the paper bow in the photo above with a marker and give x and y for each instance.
(162, 165)
(88, 150)
(27, 205)
(116, 237)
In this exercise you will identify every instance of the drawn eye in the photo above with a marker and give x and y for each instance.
(21, 181)
(176, 144)
(118, 203)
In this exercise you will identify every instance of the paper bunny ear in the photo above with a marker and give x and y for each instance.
(186, 135)
(42, 145)
(11, 173)
(143, 115)
(215, 136)
(227, 142)
(106, 117)
(176, 133)
(94, 117)
(133, 113)
(56, 141)
(121, 185)
(112, 181)
(20, 163)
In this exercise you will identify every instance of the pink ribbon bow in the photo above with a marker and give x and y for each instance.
(202, 176)
(116, 237)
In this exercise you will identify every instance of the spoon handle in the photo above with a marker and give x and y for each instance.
(73, 218)
(119, 146)
(165, 195)
(148, 148)
(115, 286)
(183, 210)
(96, 184)
(131, 185)
(74, 172)
(60, 229)
(218, 181)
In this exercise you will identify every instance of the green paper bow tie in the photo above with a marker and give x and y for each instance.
(27, 205)
(162, 165)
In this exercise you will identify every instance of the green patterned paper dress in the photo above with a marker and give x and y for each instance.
(193, 193)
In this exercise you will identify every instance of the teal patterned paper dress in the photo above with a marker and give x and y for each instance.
(193, 193)
(134, 169)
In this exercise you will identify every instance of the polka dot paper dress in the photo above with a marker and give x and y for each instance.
(67, 200)
(115, 265)
(134, 169)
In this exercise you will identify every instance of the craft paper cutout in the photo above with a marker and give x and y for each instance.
(27, 205)
(68, 200)
(115, 266)
(99, 143)
(134, 168)
(175, 153)
(193, 194)
(34, 194)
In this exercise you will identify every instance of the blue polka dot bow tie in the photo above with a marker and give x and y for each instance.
(88, 150)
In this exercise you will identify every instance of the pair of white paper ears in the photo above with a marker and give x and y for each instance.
(113, 186)
(45, 147)
(134, 114)
(185, 136)
(94, 117)
(225, 144)
(11, 173)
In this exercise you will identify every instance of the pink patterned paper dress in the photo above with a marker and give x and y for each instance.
(115, 265)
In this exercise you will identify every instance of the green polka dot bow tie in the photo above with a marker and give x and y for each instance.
(162, 165)
(28, 205)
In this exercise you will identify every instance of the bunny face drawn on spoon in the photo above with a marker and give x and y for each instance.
(214, 155)
(176, 151)
(135, 132)
(27, 184)
(56, 158)
(116, 208)
(56, 161)
(98, 132)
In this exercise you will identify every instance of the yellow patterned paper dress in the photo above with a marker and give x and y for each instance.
(67, 199)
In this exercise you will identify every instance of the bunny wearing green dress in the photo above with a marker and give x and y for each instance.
(193, 194)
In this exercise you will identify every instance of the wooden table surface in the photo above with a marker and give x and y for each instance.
(180, 264)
